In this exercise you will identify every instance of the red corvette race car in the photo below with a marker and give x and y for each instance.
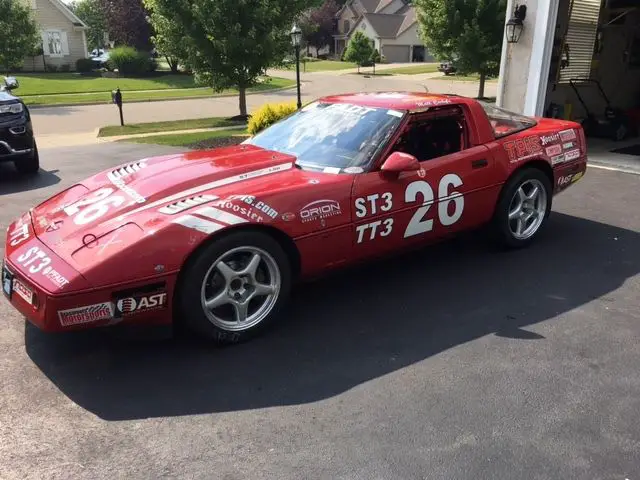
(216, 238)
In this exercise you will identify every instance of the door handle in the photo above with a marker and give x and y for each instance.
(479, 163)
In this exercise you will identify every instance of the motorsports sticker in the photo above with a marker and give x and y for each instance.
(88, 314)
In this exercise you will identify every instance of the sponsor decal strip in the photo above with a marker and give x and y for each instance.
(87, 314)
(220, 216)
(199, 224)
(201, 188)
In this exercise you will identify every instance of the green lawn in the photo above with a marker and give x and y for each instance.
(171, 126)
(322, 66)
(185, 139)
(55, 83)
(141, 96)
(413, 70)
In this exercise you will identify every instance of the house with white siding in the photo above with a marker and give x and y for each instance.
(391, 25)
(64, 40)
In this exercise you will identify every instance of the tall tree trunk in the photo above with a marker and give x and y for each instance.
(483, 78)
(242, 94)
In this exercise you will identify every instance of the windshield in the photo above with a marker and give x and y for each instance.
(331, 135)
(505, 122)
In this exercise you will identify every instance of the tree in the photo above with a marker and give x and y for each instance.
(168, 37)
(317, 24)
(469, 31)
(91, 13)
(127, 24)
(359, 49)
(19, 37)
(231, 43)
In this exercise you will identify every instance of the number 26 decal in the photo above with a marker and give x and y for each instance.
(450, 208)
(93, 206)
(418, 225)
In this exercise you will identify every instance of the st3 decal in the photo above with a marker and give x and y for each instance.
(418, 191)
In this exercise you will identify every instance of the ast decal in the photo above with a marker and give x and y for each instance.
(87, 314)
(140, 304)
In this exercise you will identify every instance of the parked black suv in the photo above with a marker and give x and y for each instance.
(17, 143)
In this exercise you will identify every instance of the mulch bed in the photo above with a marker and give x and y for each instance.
(218, 142)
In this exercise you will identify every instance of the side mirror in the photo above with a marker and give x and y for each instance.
(401, 162)
(11, 83)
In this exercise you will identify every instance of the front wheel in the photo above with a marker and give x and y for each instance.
(235, 287)
(523, 208)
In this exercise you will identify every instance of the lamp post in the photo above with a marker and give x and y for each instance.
(516, 24)
(296, 39)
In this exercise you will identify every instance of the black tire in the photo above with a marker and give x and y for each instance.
(191, 311)
(501, 226)
(30, 163)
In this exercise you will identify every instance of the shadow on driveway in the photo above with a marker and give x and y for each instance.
(354, 327)
(12, 182)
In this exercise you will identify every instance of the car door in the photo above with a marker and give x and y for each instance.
(448, 194)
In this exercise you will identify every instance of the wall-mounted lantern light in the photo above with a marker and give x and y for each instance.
(515, 25)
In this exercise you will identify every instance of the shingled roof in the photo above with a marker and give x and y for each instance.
(386, 25)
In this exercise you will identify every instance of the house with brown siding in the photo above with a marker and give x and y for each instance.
(63, 35)
(391, 25)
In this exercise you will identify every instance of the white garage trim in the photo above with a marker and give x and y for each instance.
(540, 62)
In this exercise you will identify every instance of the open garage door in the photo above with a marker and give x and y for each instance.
(595, 68)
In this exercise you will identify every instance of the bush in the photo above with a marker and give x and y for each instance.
(269, 114)
(65, 67)
(84, 65)
(129, 61)
(52, 68)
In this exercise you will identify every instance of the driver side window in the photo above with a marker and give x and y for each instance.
(433, 137)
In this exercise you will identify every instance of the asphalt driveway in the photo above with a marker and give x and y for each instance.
(458, 361)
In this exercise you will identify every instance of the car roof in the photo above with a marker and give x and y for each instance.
(404, 101)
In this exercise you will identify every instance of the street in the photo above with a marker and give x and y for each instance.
(458, 361)
(58, 121)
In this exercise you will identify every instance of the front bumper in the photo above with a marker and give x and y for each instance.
(16, 138)
(55, 297)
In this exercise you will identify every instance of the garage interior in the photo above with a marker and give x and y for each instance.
(594, 77)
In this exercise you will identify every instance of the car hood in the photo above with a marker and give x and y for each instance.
(133, 194)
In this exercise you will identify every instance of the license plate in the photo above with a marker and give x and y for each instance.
(23, 291)
(7, 281)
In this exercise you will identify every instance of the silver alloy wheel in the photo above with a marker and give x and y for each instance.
(527, 209)
(240, 288)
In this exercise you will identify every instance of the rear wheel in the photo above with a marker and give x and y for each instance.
(234, 288)
(30, 163)
(523, 208)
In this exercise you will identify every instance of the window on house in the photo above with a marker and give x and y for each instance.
(347, 26)
(54, 40)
